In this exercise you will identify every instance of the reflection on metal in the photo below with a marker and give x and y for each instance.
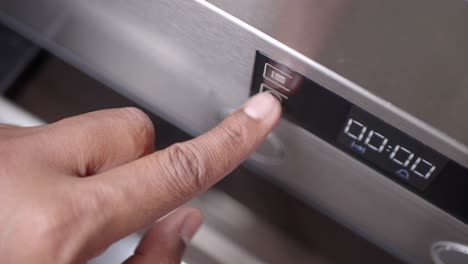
(215, 243)
(445, 252)
(13, 115)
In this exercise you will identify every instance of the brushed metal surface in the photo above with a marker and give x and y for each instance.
(411, 53)
(188, 71)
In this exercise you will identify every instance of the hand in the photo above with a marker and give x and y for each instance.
(70, 189)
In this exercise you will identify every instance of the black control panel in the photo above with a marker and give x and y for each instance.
(364, 136)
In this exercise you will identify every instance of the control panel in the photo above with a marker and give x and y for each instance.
(365, 137)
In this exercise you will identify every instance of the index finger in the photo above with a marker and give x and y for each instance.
(140, 192)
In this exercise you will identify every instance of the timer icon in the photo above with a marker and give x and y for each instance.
(403, 174)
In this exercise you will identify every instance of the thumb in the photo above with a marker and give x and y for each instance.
(166, 241)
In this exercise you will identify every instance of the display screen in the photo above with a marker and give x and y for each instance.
(372, 141)
(390, 150)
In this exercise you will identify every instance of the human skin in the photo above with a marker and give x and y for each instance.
(70, 189)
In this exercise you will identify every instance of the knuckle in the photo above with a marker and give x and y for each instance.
(234, 134)
(187, 173)
(49, 224)
(139, 118)
(56, 223)
(53, 228)
(141, 127)
(58, 219)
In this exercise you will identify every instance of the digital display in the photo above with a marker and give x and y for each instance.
(390, 150)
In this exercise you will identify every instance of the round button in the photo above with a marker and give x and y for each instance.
(445, 252)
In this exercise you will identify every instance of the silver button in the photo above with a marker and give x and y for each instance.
(266, 88)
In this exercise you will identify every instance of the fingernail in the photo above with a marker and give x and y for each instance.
(190, 226)
(260, 106)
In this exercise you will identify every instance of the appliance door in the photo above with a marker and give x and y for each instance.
(191, 62)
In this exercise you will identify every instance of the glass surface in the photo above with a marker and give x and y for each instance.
(390, 150)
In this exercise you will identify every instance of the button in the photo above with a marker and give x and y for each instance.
(266, 88)
(281, 79)
(278, 77)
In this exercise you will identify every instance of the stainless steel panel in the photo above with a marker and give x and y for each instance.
(193, 70)
(138, 48)
(226, 237)
(411, 53)
(367, 202)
